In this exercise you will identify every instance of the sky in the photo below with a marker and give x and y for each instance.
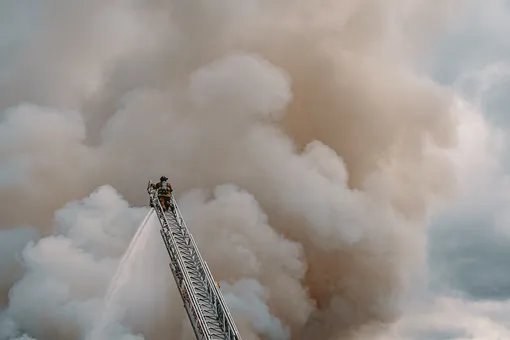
(468, 242)
(343, 165)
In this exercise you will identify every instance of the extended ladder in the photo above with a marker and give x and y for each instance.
(203, 301)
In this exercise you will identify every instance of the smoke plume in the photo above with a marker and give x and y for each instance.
(305, 148)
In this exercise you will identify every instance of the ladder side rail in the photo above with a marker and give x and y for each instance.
(224, 313)
(202, 266)
(179, 280)
(185, 294)
(228, 321)
(216, 293)
(182, 224)
(187, 280)
(200, 320)
(188, 284)
(204, 291)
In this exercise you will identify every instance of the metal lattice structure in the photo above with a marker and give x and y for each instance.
(202, 298)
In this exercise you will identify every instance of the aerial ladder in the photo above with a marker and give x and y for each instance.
(207, 311)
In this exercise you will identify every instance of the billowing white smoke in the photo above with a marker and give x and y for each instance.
(67, 275)
(305, 153)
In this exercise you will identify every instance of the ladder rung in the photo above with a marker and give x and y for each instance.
(197, 286)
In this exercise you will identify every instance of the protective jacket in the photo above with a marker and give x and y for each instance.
(164, 188)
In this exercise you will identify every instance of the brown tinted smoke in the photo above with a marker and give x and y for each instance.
(236, 92)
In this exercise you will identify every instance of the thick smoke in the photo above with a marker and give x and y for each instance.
(306, 151)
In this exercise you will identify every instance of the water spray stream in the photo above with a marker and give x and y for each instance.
(112, 310)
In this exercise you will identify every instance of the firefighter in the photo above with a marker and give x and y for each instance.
(165, 190)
